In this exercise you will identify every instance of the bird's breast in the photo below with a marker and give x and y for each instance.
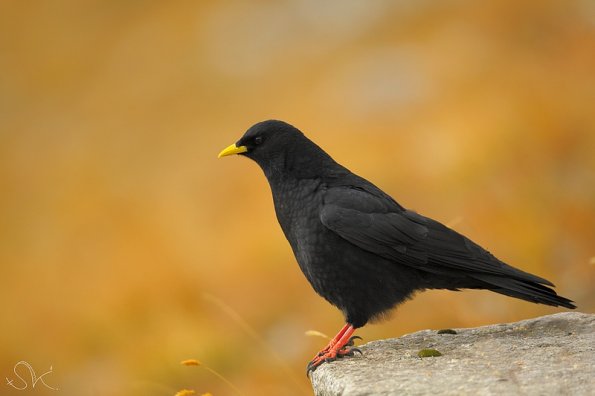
(297, 205)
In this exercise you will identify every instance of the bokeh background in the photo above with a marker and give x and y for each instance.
(126, 246)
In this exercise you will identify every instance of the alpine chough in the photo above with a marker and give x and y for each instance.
(359, 248)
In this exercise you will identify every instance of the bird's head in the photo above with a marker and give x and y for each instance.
(280, 148)
(264, 140)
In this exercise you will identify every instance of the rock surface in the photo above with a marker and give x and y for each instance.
(549, 355)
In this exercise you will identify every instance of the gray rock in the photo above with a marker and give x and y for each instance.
(550, 355)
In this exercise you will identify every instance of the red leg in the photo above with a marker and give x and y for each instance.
(338, 347)
(333, 341)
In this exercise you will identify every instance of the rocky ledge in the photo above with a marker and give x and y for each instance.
(549, 355)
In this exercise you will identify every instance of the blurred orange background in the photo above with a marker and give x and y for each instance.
(118, 221)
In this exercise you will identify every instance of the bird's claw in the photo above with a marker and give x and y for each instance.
(312, 366)
(330, 356)
(351, 352)
(349, 343)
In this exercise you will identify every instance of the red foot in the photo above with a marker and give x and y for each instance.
(332, 342)
(341, 345)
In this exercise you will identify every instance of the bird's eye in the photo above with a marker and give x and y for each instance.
(258, 140)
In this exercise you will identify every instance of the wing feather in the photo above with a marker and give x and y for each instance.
(374, 224)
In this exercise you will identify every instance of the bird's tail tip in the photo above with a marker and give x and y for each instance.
(532, 291)
(566, 303)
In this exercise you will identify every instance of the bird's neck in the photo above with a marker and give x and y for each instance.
(310, 163)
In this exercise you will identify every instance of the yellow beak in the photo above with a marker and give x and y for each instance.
(232, 149)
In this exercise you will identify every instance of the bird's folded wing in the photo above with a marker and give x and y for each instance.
(372, 223)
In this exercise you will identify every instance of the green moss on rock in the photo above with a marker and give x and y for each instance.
(428, 352)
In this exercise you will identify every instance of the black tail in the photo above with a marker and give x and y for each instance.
(526, 289)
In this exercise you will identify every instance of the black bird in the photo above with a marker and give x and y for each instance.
(360, 249)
